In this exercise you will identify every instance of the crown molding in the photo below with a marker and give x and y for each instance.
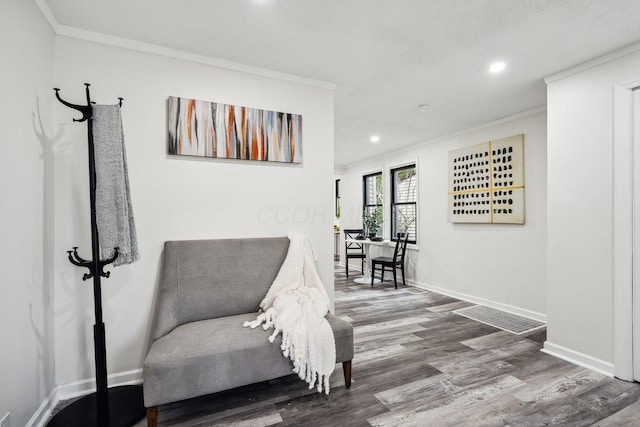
(48, 15)
(446, 137)
(627, 50)
(109, 40)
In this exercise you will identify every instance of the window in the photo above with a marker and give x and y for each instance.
(372, 201)
(337, 202)
(404, 202)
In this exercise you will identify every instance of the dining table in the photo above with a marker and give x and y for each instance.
(366, 243)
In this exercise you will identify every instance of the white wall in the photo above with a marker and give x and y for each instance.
(26, 288)
(580, 210)
(494, 263)
(174, 198)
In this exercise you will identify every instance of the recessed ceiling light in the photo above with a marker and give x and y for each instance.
(497, 67)
(424, 107)
(374, 138)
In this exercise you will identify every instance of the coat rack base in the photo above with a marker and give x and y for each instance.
(126, 407)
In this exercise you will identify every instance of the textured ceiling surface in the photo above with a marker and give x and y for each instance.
(385, 57)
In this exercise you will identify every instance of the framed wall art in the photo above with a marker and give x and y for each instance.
(486, 182)
(224, 131)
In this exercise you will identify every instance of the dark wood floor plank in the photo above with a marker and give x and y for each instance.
(474, 406)
(629, 416)
(342, 408)
(368, 334)
(560, 387)
(493, 340)
(362, 346)
(401, 315)
(588, 408)
(457, 305)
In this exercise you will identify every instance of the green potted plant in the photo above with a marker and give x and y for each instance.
(372, 221)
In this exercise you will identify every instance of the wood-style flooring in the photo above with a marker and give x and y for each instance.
(419, 364)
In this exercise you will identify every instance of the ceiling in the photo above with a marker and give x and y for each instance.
(385, 57)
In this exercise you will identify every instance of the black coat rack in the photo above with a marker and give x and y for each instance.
(107, 407)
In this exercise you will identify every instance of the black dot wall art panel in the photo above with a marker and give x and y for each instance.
(486, 182)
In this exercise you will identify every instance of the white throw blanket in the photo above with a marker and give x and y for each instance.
(295, 306)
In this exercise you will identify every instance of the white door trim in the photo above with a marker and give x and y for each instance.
(622, 230)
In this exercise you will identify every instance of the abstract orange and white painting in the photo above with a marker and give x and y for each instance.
(211, 129)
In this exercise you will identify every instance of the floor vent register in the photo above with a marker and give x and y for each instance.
(500, 319)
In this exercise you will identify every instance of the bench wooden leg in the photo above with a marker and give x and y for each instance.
(152, 416)
(346, 368)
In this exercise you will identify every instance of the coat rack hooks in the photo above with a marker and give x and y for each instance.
(84, 109)
(108, 407)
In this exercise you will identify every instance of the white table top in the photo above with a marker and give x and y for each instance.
(370, 242)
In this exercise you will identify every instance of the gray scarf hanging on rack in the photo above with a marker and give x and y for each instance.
(114, 212)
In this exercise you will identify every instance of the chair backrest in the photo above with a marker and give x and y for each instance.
(401, 247)
(205, 279)
(352, 233)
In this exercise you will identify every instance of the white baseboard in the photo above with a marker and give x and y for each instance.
(540, 317)
(82, 387)
(41, 416)
(578, 358)
(77, 389)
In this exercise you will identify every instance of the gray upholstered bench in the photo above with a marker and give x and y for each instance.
(208, 289)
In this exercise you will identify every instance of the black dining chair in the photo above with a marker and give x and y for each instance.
(353, 249)
(395, 262)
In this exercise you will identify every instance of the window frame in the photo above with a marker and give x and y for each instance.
(336, 206)
(365, 205)
(393, 203)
